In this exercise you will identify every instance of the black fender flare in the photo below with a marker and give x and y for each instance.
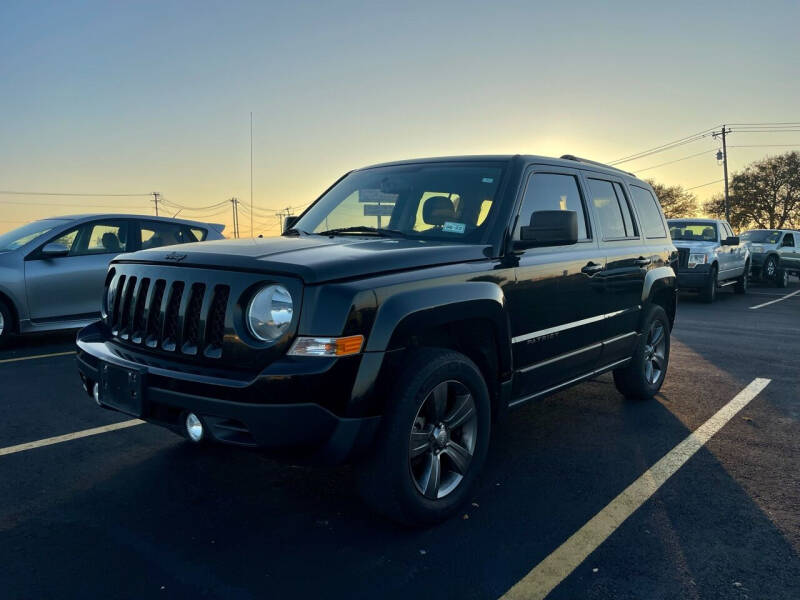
(429, 307)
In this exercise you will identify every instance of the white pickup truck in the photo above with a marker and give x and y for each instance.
(710, 256)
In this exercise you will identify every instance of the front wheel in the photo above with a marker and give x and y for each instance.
(642, 377)
(432, 442)
(709, 292)
(770, 270)
(743, 281)
(6, 324)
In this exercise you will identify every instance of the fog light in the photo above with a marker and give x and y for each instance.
(96, 394)
(194, 428)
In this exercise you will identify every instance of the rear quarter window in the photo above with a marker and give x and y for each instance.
(649, 212)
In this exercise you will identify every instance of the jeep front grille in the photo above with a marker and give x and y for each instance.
(172, 316)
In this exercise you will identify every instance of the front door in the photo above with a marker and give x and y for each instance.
(556, 300)
(71, 287)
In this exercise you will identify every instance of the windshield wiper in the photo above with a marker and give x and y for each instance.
(294, 231)
(364, 229)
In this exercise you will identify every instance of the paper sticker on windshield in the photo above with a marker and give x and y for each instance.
(451, 227)
(488, 180)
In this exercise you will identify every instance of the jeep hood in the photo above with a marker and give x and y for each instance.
(314, 258)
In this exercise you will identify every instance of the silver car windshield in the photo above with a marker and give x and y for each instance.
(16, 238)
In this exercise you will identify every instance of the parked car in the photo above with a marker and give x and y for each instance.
(775, 254)
(409, 307)
(52, 271)
(710, 256)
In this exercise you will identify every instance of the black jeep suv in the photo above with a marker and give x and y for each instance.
(396, 319)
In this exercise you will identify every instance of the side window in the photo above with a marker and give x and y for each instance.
(630, 222)
(156, 234)
(788, 240)
(100, 237)
(67, 239)
(649, 212)
(728, 230)
(607, 209)
(197, 235)
(552, 191)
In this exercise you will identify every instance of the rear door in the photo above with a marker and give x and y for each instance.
(556, 300)
(71, 287)
(627, 262)
(788, 251)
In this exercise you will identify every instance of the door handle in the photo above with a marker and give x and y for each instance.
(592, 268)
(642, 261)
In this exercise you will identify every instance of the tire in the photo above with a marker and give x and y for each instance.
(7, 324)
(769, 272)
(637, 381)
(743, 281)
(709, 292)
(782, 278)
(396, 480)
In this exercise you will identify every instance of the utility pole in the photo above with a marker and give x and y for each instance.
(235, 207)
(156, 196)
(725, 168)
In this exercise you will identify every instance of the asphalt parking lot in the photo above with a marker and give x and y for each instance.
(137, 512)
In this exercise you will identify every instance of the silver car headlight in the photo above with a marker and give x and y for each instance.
(757, 249)
(697, 259)
(269, 313)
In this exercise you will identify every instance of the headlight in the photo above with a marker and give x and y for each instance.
(697, 259)
(269, 313)
(757, 248)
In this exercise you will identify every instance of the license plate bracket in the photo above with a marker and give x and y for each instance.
(121, 389)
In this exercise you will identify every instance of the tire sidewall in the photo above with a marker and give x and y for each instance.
(8, 326)
(655, 313)
(399, 421)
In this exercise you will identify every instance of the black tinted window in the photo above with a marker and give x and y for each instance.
(607, 208)
(552, 191)
(627, 215)
(788, 240)
(156, 234)
(649, 212)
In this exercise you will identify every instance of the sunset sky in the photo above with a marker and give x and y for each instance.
(126, 98)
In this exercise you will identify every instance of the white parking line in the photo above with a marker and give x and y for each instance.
(19, 358)
(556, 567)
(774, 301)
(69, 436)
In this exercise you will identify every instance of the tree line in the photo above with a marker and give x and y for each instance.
(763, 195)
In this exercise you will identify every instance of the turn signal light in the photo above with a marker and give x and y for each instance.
(314, 346)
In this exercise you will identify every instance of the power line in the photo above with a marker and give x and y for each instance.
(663, 147)
(767, 146)
(18, 193)
(704, 184)
(71, 205)
(674, 161)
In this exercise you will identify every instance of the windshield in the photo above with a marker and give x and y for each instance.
(441, 201)
(16, 238)
(701, 231)
(762, 236)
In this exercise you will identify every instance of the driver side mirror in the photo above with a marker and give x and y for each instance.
(731, 241)
(549, 228)
(54, 250)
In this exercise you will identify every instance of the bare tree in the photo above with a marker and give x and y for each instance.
(766, 194)
(675, 200)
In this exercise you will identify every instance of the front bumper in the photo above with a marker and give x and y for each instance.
(693, 278)
(274, 411)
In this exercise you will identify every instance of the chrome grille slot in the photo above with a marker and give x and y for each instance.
(138, 323)
(215, 323)
(170, 339)
(114, 311)
(191, 324)
(125, 313)
(154, 319)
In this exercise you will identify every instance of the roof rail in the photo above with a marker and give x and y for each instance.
(594, 162)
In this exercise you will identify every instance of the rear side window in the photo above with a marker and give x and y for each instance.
(197, 234)
(788, 240)
(156, 234)
(649, 212)
(608, 210)
(552, 191)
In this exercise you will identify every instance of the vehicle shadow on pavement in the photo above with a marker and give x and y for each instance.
(220, 522)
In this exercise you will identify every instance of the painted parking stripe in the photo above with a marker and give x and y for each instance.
(774, 301)
(69, 436)
(19, 358)
(556, 567)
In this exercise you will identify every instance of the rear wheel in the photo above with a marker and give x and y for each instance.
(642, 377)
(709, 292)
(782, 278)
(743, 281)
(433, 440)
(6, 324)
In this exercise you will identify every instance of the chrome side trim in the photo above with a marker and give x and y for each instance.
(558, 328)
(619, 337)
(589, 375)
(550, 361)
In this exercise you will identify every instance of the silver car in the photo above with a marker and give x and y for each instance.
(776, 254)
(52, 271)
